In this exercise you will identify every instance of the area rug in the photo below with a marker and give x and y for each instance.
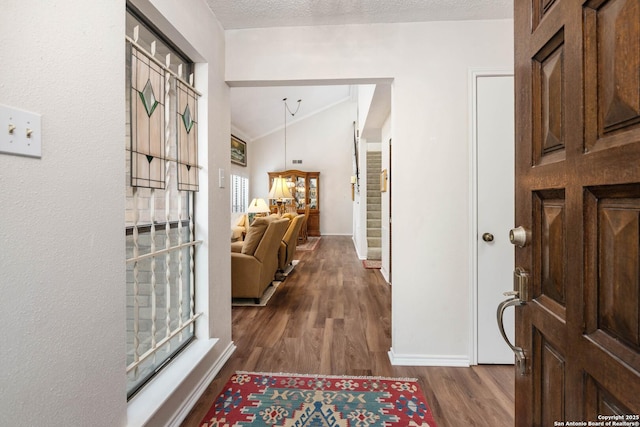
(372, 263)
(311, 244)
(294, 400)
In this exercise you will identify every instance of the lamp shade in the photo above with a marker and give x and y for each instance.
(279, 189)
(258, 206)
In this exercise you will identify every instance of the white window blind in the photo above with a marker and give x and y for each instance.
(239, 194)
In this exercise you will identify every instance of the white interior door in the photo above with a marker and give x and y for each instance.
(495, 210)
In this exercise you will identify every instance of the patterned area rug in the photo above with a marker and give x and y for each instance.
(293, 400)
(311, 244)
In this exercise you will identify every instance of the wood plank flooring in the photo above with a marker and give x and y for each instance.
(332, 316)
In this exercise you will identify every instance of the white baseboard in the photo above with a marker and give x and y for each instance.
(202, 386)
(428, 360)
(360, 256)
(385, 274)
(158, 403)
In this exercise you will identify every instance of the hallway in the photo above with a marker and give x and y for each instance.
(332, 316)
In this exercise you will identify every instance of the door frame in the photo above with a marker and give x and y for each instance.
(474, 74)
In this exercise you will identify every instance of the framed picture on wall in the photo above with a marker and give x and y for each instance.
(238, 151)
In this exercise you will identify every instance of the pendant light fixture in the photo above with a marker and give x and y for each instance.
(290, 183)
(281, 187)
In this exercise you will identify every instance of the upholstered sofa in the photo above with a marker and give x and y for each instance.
(254, 261)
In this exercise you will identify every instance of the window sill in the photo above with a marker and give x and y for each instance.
(159, 393)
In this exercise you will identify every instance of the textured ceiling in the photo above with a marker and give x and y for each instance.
(236, 14)
(258, 111)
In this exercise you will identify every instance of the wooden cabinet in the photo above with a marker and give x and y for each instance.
(305, 192)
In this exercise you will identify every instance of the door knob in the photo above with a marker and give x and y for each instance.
(519, 236)
(487, 237)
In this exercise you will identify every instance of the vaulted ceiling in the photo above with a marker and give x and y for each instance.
(259, 111)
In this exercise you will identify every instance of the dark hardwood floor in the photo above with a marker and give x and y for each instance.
(332, 316)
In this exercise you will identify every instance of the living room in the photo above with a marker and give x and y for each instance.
(321, 140)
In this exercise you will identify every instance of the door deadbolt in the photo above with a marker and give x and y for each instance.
(487, 237)
(519, 236)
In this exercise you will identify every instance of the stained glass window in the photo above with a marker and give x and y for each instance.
(159, 217)
(187, 117)
(147, 121)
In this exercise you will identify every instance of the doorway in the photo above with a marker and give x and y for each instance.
(493, 204)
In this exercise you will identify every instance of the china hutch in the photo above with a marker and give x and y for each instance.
(305, 189)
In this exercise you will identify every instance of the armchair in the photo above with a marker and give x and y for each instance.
(289, 242)
(255, 266)
(303, 236)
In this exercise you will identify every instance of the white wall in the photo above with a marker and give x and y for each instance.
(323, 142)
(360, 201)
(61, 217)
(429, 63)
(62, 307)
(365, 96)
(385, 201)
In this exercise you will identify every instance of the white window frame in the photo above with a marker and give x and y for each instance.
(239, 194)
(161, 279)
(169, 397)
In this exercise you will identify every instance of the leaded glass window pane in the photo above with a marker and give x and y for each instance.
(147, 122)
(187, 124)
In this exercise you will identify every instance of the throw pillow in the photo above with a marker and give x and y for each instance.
(255, 233)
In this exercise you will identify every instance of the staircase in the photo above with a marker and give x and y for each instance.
(374, 213)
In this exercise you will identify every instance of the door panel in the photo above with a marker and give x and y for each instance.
(578, 193)
(599, 402)
(612, 60)
(550, 381)
(549, 136)
(618, 264)
(549, 213)
(618, 62)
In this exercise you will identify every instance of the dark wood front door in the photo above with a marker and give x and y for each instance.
(578, 195)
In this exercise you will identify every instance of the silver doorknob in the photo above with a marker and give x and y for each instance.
(487, 237)
(519, 236)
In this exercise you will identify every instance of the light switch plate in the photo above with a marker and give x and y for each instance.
(20, 132)
(221, 180)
